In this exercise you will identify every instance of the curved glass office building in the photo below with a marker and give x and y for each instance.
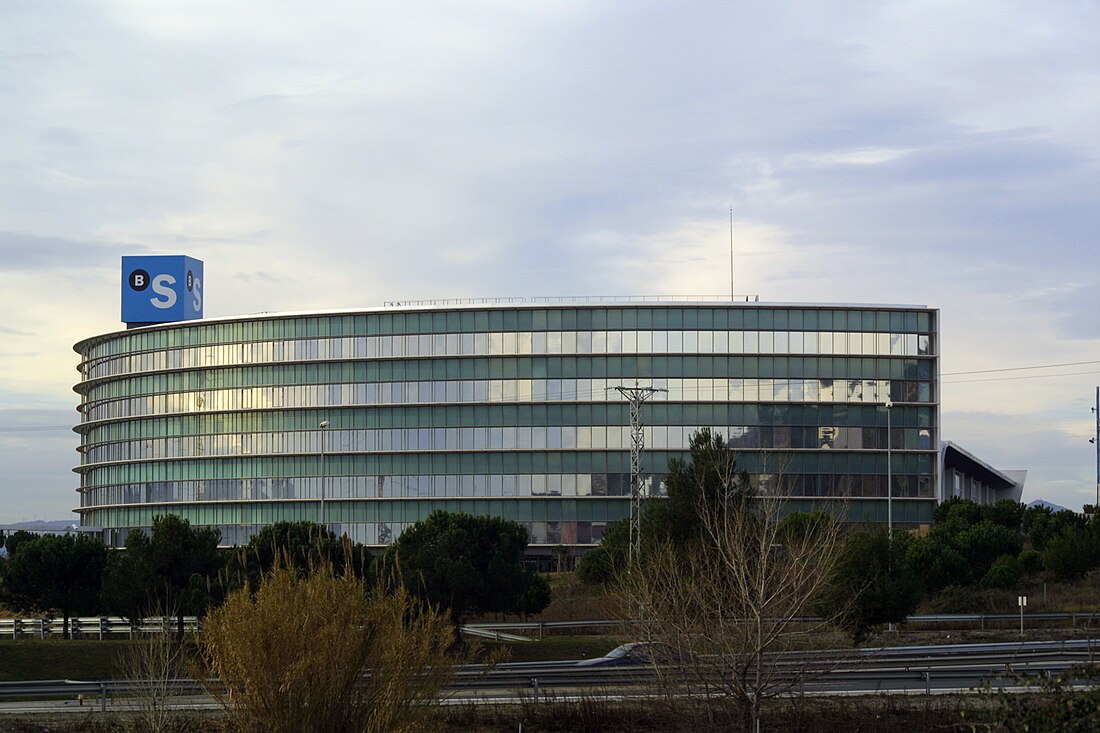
(369, 420)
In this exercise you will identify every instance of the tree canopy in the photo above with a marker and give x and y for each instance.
(130, 585)
(297, 545)
(469, 564)
(17, 538)
(708, 478)
(56, 572)
(180, 562)
(875, 582)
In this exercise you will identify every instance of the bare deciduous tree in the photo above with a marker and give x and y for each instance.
(735, 597)
(154, 665)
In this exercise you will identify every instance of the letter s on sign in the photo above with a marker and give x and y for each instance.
(197, 292)
(160, 287)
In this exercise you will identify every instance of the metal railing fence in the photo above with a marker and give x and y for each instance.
(117, 627)
(92, 627)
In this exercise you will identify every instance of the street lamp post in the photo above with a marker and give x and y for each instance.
(1096, 442)
(889, 474)
(324, 476)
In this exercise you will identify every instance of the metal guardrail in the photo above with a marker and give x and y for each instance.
(881, 670)
(103, 627)
(492, 635)
(982, 617)
(1083, 617)
(93, 627)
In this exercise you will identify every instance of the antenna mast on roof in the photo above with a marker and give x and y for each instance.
(732, 291)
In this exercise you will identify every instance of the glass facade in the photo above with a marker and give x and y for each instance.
(503, 410)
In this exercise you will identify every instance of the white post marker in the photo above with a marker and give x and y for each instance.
(1021, 601)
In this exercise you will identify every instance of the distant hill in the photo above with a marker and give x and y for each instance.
(54, 525)
(1048, 505)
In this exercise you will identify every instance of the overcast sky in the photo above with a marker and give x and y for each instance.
(341, 154)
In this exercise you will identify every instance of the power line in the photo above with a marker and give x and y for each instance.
(35, 428)
(1027, 376)
(1017, 369)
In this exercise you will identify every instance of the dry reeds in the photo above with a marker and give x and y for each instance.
(320, 653)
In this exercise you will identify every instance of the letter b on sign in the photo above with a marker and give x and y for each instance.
(139, 280)
(161, 289)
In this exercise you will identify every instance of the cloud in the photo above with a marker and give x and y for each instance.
(37, 448)
(350, 154)
(21, 252)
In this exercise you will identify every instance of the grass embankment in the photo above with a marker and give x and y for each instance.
(57, 659)
(1079, 596)
(553, 648)
(78, 659)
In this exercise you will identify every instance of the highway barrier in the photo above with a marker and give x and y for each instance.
(103, 627)
(956, 667)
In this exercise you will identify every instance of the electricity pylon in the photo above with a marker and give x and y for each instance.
(636, 396)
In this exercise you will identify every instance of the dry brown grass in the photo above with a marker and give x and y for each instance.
(798, 715)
